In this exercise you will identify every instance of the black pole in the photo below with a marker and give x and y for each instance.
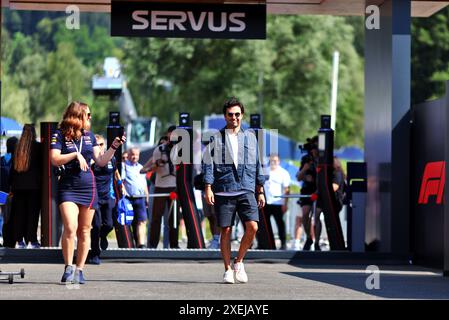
(184, 188)
(264, 235)
(50, 224)
(123, 233)
(326, 193)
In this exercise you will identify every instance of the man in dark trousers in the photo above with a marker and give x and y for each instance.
(234, 183)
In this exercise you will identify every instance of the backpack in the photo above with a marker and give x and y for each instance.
(125, 212)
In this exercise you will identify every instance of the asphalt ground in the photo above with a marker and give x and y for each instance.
(202, 280)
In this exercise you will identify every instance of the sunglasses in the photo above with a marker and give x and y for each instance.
(237, 114)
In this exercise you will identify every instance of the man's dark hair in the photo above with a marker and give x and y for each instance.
(233, 102)
(11, 144)
(162, 139)
(171, 129)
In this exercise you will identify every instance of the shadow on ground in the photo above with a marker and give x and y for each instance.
(394, 284)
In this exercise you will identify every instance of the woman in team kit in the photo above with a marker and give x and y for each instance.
(73, 147)
(102, 223)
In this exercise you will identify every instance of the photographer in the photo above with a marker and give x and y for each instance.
(165, 183)
(307, 174)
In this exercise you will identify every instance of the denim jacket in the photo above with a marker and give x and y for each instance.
(218, 164)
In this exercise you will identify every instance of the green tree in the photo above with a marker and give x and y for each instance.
(294, 64)
(29, 74)
(287, 77)
(14, 101)
(430, 52)
(21, 46)
(67, 80)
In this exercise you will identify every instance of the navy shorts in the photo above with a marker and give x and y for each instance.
(140, 209)
(227, 206)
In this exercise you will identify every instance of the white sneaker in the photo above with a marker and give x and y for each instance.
(297, 245)
(228, 276)
(240, 274)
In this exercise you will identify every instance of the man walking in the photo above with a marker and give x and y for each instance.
(234, 183)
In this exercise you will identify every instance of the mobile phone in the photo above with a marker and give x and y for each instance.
(121, 132)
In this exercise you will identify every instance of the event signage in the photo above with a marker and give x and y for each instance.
(188, 20)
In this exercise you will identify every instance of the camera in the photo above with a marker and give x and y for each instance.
(160, 162)
(307, 158)
(309, 145)
(165, 150)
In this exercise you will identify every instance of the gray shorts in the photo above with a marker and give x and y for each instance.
(227, 207)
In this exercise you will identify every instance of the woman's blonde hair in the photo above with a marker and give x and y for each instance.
(73, 120)
(22, 152)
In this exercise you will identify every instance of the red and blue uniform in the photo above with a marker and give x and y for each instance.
(76, 185)
(102, 222)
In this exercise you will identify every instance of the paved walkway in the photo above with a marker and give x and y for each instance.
(187, 280)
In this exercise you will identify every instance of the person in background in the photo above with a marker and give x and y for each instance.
(102, 223)
(5, 186)
(26, 184)
(298, 231)
(165, 183)
(124, 156)
(137, 192)
(338, 185)
(277, 185)
(150, 170)
(74, 147)
(307, 174)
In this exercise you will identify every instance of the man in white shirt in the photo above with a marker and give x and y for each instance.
(234, 184)
(278, 184)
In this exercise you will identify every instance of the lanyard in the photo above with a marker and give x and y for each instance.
(81, 145)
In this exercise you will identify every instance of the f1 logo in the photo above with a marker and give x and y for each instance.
(433, 182)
